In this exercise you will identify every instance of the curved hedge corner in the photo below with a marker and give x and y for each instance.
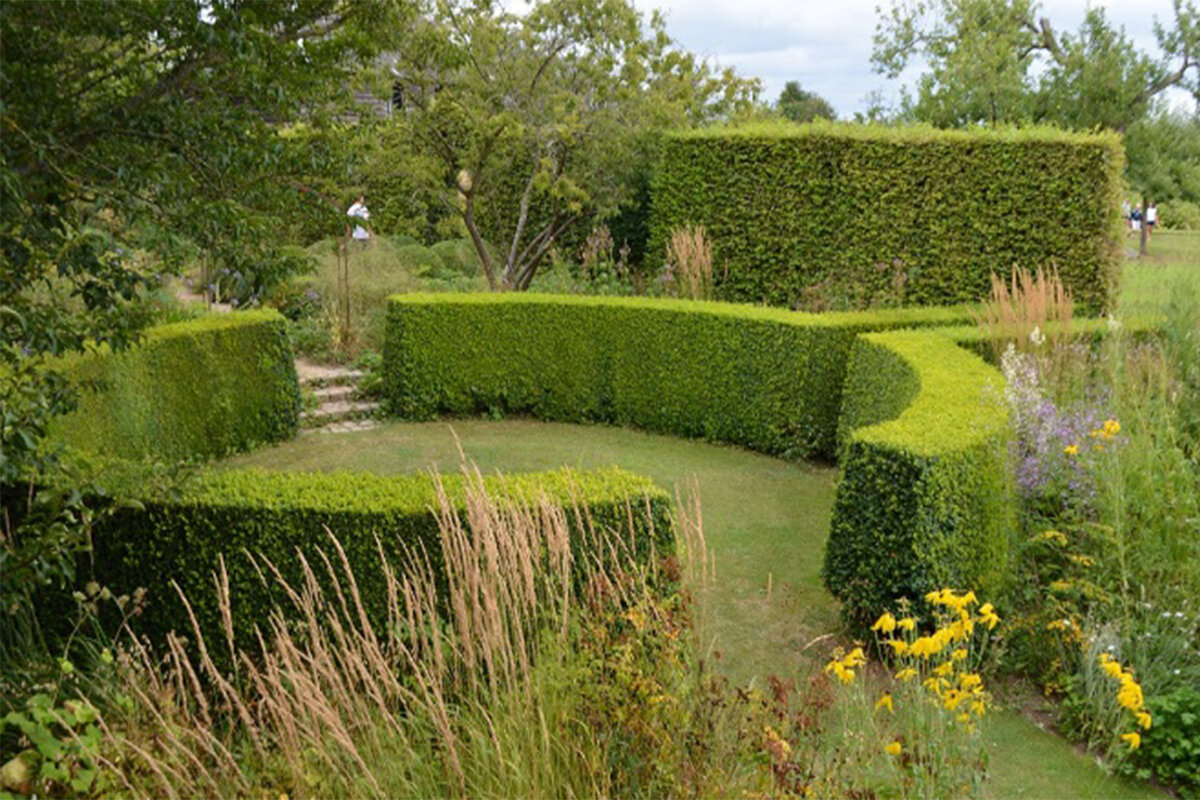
(768, 379)
(276, 515)
(924, 499)
(200, 388)
(869, 212)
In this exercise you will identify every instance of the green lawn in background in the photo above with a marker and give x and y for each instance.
(765, 520)
(1148, 282)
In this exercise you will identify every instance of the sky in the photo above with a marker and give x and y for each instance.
(826, 44)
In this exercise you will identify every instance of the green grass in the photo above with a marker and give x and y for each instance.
(1148, 282)
(765, 521)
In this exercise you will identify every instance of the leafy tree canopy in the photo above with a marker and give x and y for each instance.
(1000, 61)
(539, 120)
(800, 105)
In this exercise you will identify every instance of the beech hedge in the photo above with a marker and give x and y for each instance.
(767, 379)
(252, 517)
(868, 212)
(925, 497)
(195, 389)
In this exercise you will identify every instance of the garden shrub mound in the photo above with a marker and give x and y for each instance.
(917, 215)
(767, 379)
(925, 496)
(195, 389)
(253, 517)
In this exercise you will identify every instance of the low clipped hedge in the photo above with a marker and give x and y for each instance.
(253, 516)
(195, 389)
(865, 212)
(925, 497)
(767, 379)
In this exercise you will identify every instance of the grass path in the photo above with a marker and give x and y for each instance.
(765, 520)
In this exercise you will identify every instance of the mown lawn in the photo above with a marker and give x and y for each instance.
(1148, 282)
(765, 520)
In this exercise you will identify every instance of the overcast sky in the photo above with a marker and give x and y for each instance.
(826, 44)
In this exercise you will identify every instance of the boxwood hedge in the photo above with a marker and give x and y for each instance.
(192, 389)
(764, 378)
(866, 212)
(924, 499)
(250, 516)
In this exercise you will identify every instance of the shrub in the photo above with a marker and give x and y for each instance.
(856, 209)
(767, 379)
(924, 499)
(202, 388)
(1170, 749)
(253, 519)
(458, 258)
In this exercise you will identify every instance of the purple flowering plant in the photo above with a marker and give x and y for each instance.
(1057, 447)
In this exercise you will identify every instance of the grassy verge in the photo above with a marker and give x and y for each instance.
(766, 523)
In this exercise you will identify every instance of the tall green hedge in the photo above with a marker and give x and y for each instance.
(276, 515)
(767, 379)
(192, 389)
(869, 212)
(924, 499)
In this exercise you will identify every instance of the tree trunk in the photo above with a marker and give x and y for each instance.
(485, 258)
(1144, 248)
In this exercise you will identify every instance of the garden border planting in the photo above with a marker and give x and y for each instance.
(915, 214)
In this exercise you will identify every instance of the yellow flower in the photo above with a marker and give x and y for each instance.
(898, 645)
(964, 717)
(886, 623)
(1113, 669)
(959, 655)
(1071, 449)
(855, 658)
(987, 614)
(1111, 428)
(906, 674)
(1143, 719)
(843, 673)
(894, 748)
(1130, 694)
(1134, 739)
(978, 708)
(969, 680)
(953, 698)
(943, 669)
(907, 624)
(885, 701)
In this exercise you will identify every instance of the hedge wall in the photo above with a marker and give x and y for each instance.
(767, 379)
(852, 208)
(276, 514)
(924, 499)
(193, 389)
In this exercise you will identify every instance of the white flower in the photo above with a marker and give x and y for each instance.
(1114, 324)
(1036, 337)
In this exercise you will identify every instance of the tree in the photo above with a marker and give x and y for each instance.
(538, 120)
(133, 128)
(799, 105)
(999, 61)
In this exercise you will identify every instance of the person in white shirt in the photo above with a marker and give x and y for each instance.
(1151, 218)
(359, 212)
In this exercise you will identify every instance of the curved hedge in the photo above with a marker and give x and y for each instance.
(925, 495)
(866, 211)
(767, 379)
(277, 515)
(195, 389)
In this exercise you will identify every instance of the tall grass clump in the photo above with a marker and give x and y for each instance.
(1029, 309)
(689, 263)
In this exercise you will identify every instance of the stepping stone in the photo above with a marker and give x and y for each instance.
(340, 408)
(327, 394)
(313, 374)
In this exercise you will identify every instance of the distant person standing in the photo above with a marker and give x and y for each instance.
(1151, 218)
(358, 211)
(1135, 218)
(1125, 210)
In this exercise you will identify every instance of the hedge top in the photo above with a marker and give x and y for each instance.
(906, 134)
(212, 323)
(959, 401)
(879, 318)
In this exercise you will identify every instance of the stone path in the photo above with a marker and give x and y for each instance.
(334, 388)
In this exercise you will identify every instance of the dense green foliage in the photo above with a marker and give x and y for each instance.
(900, 215)
(197, 389)
(1170, 750)
(274, 517)
(924, 499)
(767, 379)
(799, 105)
